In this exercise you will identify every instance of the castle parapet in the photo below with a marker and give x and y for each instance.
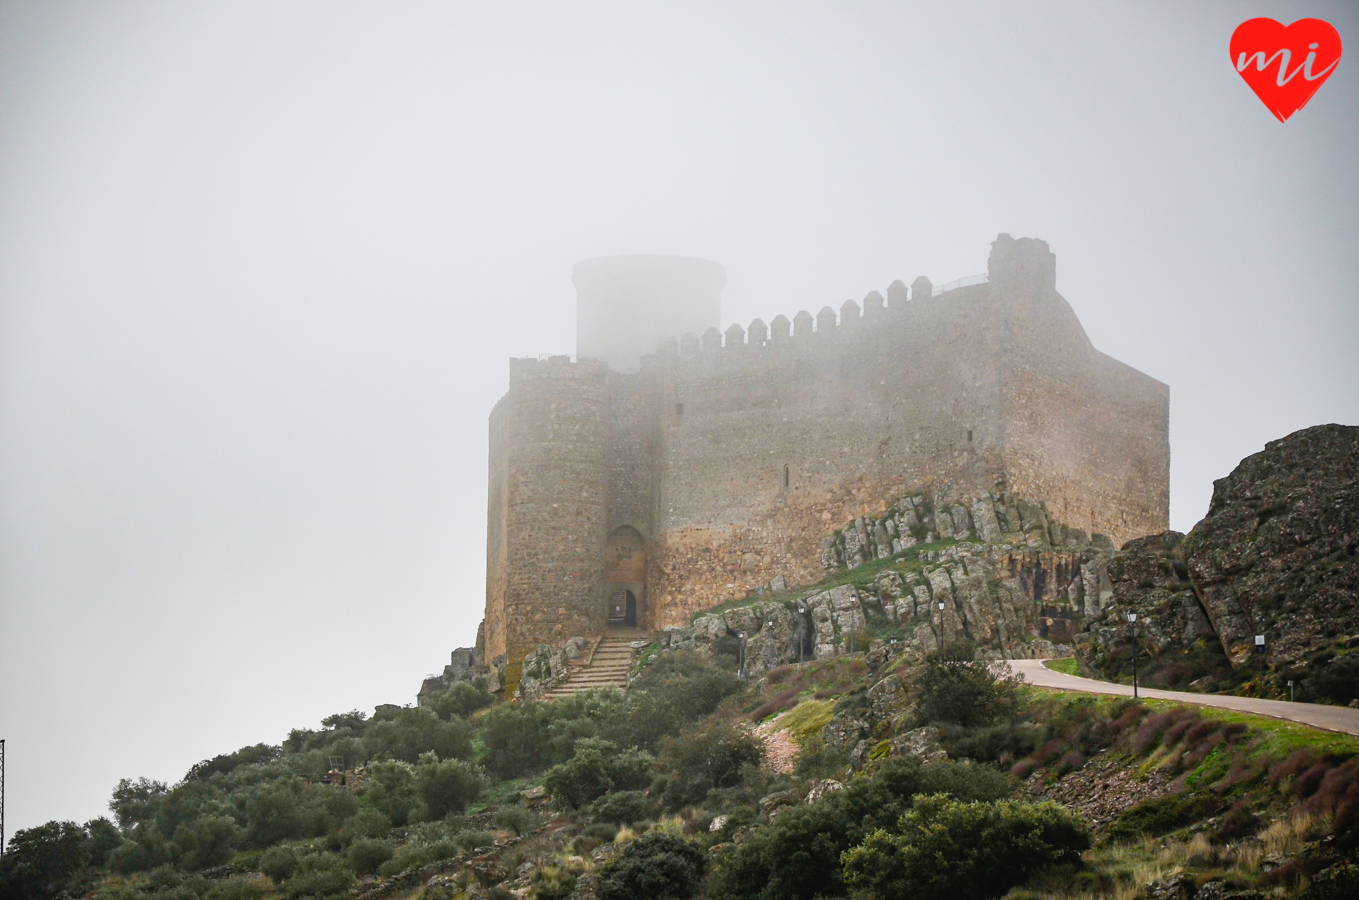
(922, 289)
(780, 328)
(849, 313)
(758, 333)
(736, 336)
(712, 339)
(896, 296)
(802, 324)
(874, 305)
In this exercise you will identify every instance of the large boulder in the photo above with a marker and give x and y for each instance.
(1277, 553)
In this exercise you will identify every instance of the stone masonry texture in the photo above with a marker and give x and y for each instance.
(734, 455)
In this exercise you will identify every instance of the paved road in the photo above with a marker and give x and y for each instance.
(1331, 718)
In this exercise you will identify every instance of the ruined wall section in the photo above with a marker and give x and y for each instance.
(1084, 432)
(555, 448)
(856, 410)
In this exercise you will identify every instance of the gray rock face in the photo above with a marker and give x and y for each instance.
(1276, 555)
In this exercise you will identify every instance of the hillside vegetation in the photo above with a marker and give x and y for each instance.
(947, 779)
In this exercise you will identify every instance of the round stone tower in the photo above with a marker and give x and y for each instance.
(627, 305)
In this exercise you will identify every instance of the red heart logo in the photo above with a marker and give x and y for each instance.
(1285, 65)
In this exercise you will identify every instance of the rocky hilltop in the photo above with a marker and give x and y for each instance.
(1277, 555)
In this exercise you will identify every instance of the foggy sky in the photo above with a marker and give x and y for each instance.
(262, 267)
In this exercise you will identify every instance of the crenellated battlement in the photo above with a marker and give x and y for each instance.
(875, 310)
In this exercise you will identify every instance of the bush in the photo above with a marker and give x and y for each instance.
(956, 687)
(710, 757)
(407, 733)
(944, 849)
(236, 889)
(392, 791)
(321, 875)
(461, 700)
(366, 823)
(447, 786)
(515, 740)
(622, 808)
(1163, 815)
(657, 865)
(206, 842)
(471, 841)
(517, 819)
(597, 768)
(279, 863)
(674, 690)
(367, 855)
(798, 856)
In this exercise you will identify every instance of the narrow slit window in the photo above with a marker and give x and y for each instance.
(969, 435)
(785, 476)
(679, 410)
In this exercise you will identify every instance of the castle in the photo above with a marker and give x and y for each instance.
(630, 487)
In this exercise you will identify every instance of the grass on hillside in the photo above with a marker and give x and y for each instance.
(1067, 666)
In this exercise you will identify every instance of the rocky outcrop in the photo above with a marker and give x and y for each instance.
(465, 664)
(1275, 556)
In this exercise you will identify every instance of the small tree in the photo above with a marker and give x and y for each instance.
(711, 757)
(658, 866)
(597, 768)
(447, 786)
(954, 686)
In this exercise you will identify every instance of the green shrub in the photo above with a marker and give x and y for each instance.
(205, 842)
(713, 756)
(236, 889)
(447, 786)
(515, 740)
(471, 841)
(798, 856)
(597, 768)
(279, 863)
(366, 823)
(954, 686)
(393, 791)
(657, 866)
(1163, 815)
(517, 819)
(943, 849)
(461, 699)
(676, 689)
(407, 733)
(366, 855)
(319, 875)
(622, 808)
(129, 857)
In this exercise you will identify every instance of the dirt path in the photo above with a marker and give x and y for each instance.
(1331, 718)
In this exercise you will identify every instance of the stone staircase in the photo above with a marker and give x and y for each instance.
(607, 668)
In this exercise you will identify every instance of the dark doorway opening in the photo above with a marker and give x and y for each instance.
(623, 609)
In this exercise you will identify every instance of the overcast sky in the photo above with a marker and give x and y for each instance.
(262, 266)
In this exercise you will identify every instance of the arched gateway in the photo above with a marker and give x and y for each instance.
(625, 577)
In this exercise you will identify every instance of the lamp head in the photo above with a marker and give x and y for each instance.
(1132, 616)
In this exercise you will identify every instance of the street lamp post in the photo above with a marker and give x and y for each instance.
(1132, 620)
(851, 631)
(741, 669)
(1290, 690)
(1260, 652)
(941, 623)
(769, 630)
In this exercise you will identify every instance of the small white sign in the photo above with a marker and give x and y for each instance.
(1259, 640)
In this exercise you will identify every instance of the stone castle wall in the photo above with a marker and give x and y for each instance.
(549, 447)
(735, 455)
